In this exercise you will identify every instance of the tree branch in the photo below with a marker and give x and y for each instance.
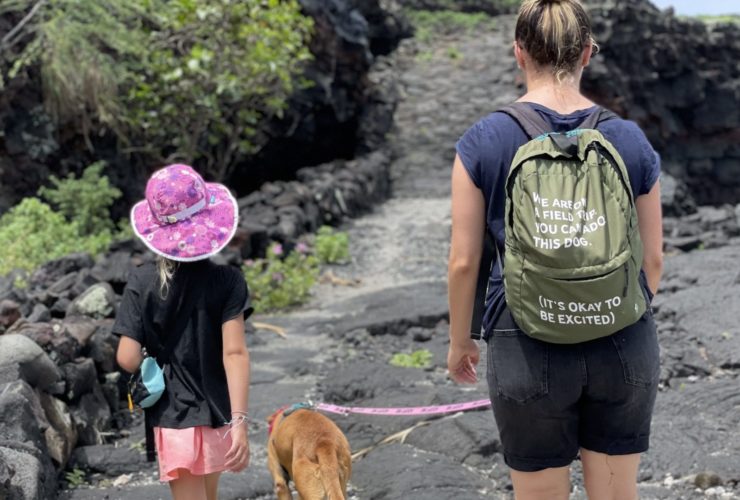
(18, 27)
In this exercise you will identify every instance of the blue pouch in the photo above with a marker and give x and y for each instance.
(147, 385)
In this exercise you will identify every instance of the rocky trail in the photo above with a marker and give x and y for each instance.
(337, 348)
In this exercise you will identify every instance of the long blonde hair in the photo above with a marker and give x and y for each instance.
(166, 269)
(554, 33)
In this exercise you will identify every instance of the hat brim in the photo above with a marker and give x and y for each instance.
(199, 237)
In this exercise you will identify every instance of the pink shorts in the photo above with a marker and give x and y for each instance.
(200, 450)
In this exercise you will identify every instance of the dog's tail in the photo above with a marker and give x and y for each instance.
(333, 476)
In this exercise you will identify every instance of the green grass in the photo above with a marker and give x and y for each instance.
(429, 24)
(716, 19)
(417, 359)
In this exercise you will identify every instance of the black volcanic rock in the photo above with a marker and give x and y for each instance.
(679, 79)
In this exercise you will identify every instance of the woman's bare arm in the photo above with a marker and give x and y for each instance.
(468, 226)
(650, 220)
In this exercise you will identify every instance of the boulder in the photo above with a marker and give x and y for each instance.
(81, 329)
(56, 269)
(103, 345)
(52, 337)
(677, 78)
(39, 314)
(80, 378)
(109, 459)
(92, 416)
(97, 302)
(34, 366)
(29, 474)
(22, 416)
(61, 435)
(675, 197)
(10, 312)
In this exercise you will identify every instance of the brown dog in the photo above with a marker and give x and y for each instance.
(309, 448)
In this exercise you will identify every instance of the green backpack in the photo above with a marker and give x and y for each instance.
(573, 250)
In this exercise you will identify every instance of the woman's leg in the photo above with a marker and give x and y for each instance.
(212, 485)
(610, 477)
(548, 484)
(188, 486)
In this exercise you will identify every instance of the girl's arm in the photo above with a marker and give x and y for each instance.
(650, 222)
(468, 226)
(129, 355)
(236, 365)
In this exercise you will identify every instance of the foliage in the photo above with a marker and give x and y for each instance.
(417, 359)
(75, 478)
(86, 200)
(174, 79)
(279, 281)
(721, 19)
(32, 233)
(332, 247)
(429, 24)
(84, 50)
(215, 69)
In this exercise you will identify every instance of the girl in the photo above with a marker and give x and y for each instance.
(592, 398)
(189, 313)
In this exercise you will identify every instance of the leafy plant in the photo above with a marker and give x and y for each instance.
(32, 233)
(279, 281)
(332, 246)
(417, 359)
(214, 70)
(429, 24)
(86, 200)
(174, 79)
(75, 478)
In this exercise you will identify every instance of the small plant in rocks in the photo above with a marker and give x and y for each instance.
(417, 359)
(279, 281)
(75, 478)
(332, 246)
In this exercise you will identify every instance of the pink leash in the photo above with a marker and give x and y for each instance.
(405, 412)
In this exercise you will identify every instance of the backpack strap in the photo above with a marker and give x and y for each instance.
(534, 125)
(527, 118)
(596, 118)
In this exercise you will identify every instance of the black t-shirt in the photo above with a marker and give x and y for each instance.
(202, 296)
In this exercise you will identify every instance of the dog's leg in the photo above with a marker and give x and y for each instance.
(307, 479)
(279, 479)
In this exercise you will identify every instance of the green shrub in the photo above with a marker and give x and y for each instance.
(32, 233)
(332, 247)
(276, 282)
(214, 71)
(428, 24)
(86, 200)
(417, 359)
(174, 79)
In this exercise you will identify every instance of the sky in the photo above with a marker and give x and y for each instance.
(692, 7)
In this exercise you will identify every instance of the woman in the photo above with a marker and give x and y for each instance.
(594, 398)
(188, 313)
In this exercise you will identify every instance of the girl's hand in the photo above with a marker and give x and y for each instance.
(237, 459)
(462, 359)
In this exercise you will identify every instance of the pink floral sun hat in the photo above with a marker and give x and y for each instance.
(183, 218)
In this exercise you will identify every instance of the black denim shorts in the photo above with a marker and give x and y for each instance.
(550, 400)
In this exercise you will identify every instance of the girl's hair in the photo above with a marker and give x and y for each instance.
(554, 33)
(166, 268)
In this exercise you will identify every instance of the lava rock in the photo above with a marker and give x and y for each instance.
(61, 435)
(34, 365)
(10, 312)
(97, 302)
(108, 459)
